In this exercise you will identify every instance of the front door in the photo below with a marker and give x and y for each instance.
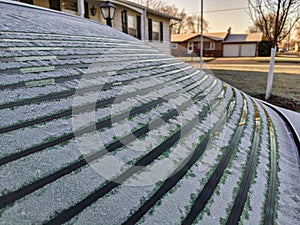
(190, 48)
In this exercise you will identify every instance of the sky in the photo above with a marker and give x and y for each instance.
(238, 20)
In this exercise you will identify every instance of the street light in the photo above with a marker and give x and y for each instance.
(108, 11)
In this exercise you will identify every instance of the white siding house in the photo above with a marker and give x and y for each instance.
(136, 20)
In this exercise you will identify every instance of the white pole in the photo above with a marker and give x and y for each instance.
(144, 18)
(271, 73)
(80, 6)
(201, 38)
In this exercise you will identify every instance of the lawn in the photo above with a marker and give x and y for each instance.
(252, 79)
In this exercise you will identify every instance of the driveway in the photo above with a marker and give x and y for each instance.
(254, 60)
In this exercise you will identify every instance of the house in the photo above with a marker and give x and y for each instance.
(297, 46)
(133, 19)
(216, 44)
(187, 44)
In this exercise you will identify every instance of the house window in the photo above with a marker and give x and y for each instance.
(208, 45)
(155, 30)
(174, 46)
(124, 21)
(86, 10)
(54, 4)
(69, 6)
(132, 26)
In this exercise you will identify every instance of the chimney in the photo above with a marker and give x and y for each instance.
(229, 30)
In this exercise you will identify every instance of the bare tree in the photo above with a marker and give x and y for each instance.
(274, 18)
(177, 27)
(188, 24)
(191, 24)
(253, 29)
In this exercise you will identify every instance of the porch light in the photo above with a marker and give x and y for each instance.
(93, 11)
(108, 11)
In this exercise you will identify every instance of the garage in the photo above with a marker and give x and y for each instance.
(241, 45)
(248, 50)
(231, 50)
(239, 50)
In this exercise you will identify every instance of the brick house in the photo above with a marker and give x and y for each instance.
(216, 44)
(187, 44)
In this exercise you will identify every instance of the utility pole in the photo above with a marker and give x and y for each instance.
(201, 38)
(289, 36)
(198, 23)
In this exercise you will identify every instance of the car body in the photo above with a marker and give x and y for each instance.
(99, 128)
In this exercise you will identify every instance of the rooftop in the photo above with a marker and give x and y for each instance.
(252, 37)
(182, 37)
(217, 36)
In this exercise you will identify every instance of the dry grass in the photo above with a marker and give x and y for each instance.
(252, 79)
(284, 85)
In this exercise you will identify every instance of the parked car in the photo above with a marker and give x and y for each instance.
(282, 50)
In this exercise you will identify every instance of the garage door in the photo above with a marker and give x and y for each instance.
(248, 49)
(231, 50)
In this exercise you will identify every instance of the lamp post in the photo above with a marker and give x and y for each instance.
(108, 11)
